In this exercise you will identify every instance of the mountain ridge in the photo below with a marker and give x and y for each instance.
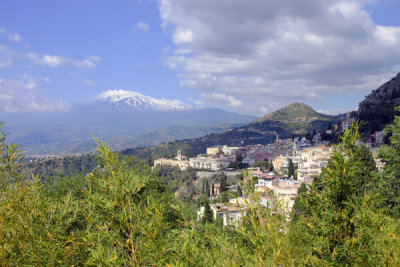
(377, 109)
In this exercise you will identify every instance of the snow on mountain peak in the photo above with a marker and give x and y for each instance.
(140, 101)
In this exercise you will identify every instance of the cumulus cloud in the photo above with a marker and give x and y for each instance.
(56, 61)
(141, 26)
(270, 53)
(14, 37)
(23, 94)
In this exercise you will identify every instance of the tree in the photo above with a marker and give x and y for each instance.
(150, 161)
(389, 181)
(239, 161)
(10, 160)
(224, 197)
(365, 172)
(341, 228)
(213, 189)
(208, 213)
(291, 169)
(207, 189)
(339, 126)
(262, 164)
(223, 183)
(299, 207)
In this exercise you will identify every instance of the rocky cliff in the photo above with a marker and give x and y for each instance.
(377, 109)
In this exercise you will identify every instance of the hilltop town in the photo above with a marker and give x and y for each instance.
(277, 170)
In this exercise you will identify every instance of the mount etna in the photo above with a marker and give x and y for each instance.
(123, 118)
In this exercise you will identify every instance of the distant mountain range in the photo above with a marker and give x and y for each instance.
(124, 119)
(129, 119)
(296, 119)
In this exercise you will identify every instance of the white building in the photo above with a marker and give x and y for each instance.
(210, 163)
(229, 214)
(179, 160)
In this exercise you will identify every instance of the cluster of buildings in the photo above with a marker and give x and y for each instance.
(275, 186)
(212, 162)
(307, 159)
(271, 190)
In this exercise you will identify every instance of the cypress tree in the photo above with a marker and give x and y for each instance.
(223, 183)
(208, 213)
(291, 168)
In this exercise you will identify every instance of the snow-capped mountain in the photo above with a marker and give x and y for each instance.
(125, 118)
(138, 101)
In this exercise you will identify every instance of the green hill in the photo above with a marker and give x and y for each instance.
(295, 119)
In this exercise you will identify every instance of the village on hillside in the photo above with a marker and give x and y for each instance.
(292, 162)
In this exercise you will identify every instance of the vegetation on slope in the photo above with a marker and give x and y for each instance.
(378, 108)
(124, 215)
(296, 118)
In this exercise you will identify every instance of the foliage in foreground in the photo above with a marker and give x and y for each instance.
(119, 215)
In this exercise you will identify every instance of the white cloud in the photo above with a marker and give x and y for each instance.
(5, 62)
(88, 82)
(185, 36)
(141, 26)
(52, 61)
(270, 53)
(56, 61)
(5, 56)
(335, 111)
(95, 58)
(15, 37)
(220, 100)
(23, 94)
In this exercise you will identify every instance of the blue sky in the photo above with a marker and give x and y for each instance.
(246, 56)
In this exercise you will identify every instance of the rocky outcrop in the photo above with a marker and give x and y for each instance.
(377, 109)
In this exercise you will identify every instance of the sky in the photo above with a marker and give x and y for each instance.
(246, 56)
